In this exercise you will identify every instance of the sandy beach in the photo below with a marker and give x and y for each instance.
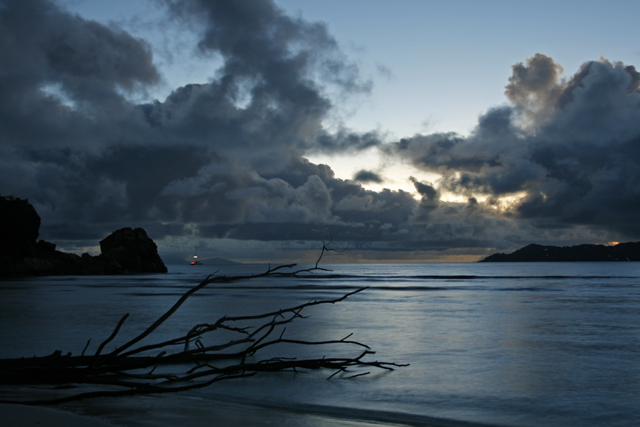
(24, 416)
(127, 414)
(193, 411)
(165, 411)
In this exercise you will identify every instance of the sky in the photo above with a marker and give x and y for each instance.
(254, 130)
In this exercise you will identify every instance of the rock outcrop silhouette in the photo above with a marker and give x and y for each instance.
(132, 250)
(124, 251)
(538, 253)
(19, 230)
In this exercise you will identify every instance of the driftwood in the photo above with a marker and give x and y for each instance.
(187, 363)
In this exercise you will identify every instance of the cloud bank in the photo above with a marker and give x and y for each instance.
(564, 154)
(224, 162)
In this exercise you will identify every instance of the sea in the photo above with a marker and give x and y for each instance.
(487, 344)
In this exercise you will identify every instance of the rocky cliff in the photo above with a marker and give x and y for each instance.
(124, 251)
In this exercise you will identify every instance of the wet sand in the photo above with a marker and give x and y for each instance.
(26, 416)
(155, 412)
(193, 410)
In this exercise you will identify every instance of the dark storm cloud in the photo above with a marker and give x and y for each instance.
(226, 152)
(279, 63)
(425, 190)
(564, 154)
(364, 175)
(225, 159)
(345, 141)
(533, 88)
(440, 152)
(43, 49)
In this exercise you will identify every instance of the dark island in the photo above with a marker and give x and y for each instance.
(124, 251)
(538, 253)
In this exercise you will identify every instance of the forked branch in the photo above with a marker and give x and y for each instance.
(236, 357)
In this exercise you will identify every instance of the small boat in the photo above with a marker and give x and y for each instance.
(195, 261)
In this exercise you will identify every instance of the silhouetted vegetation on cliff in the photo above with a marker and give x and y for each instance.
(538, 253)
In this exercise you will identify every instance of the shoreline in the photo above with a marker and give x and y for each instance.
(195, 411)
(16, 415)
(182, 411)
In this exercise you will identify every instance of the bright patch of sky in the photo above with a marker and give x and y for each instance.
(55, 91)
(444, 63)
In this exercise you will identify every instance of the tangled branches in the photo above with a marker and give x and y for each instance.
(186, 362)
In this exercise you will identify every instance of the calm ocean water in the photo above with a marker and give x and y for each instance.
(523, 344)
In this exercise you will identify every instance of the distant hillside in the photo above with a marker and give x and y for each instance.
(538, 253)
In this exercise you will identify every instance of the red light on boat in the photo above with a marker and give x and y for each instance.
(193, 263)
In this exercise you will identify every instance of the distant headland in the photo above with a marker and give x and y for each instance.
(124, 251)
(538, 253)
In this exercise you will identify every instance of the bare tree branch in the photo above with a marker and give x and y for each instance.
(121, 368)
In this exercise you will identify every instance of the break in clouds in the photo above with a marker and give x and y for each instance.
(224, 162)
